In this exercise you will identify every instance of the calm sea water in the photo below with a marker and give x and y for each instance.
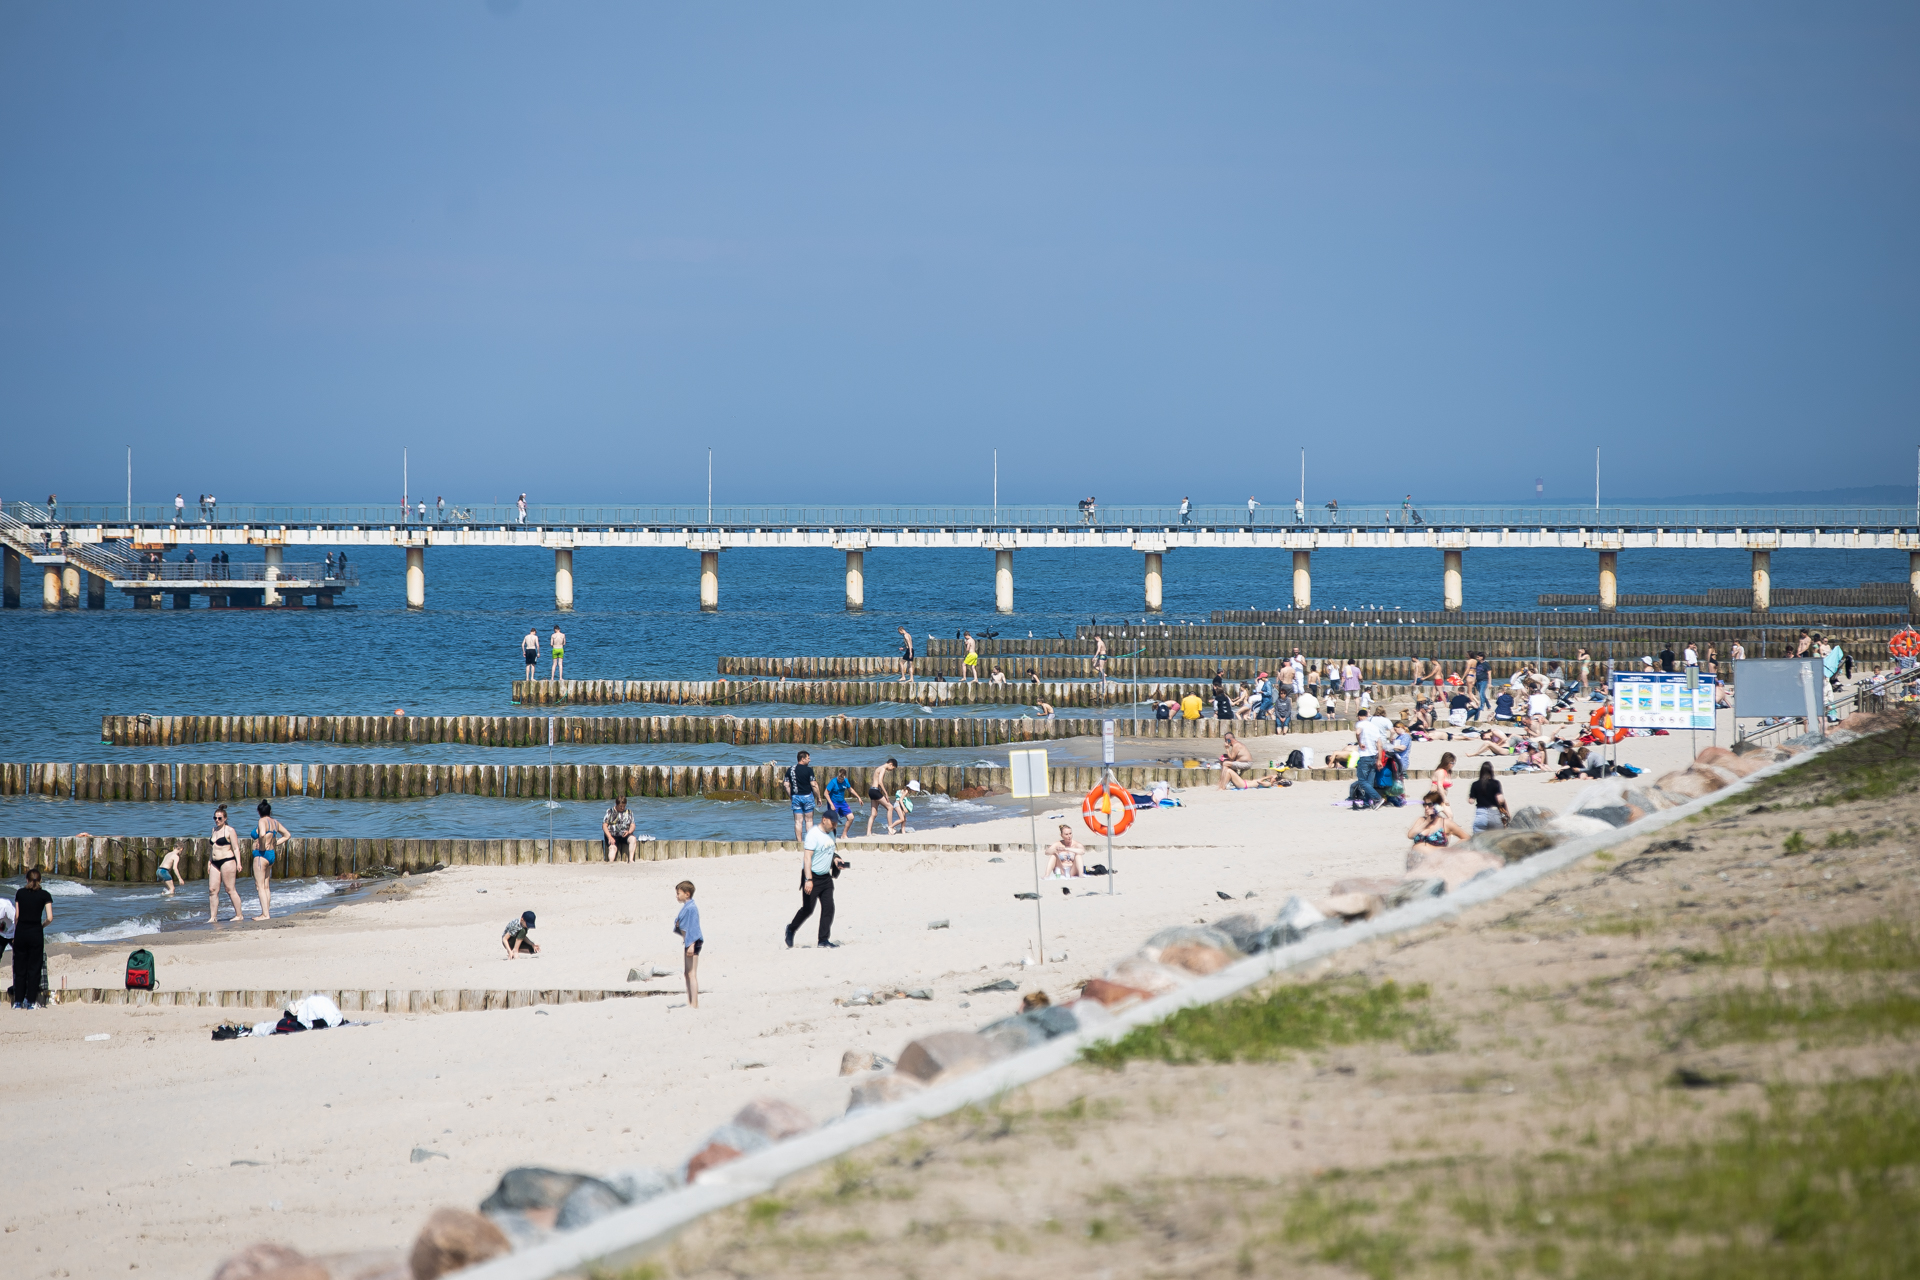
(636, 616)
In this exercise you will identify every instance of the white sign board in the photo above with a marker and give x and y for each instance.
(1778, 687)
(1029, 769)
(1659, 700)
(1106, 741)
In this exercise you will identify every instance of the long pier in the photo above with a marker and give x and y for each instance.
(1154, 532)
(531, 731)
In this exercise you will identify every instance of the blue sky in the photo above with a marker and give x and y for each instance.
(1141, 250)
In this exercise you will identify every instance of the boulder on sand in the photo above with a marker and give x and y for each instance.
(1458, 865)
(1510, 845)
(1533, 817)
(454, 1239)
(1572, 826)
(947, 1053)
(1393, 891)
(1733, 762)
(1195, 948)
(1140, 972)
(1351, 906)
(1112, 994)
(1689, 783)
(880, 1090)
(777, 1118)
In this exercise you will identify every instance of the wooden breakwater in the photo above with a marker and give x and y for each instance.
(356, 1000)
(211, 783)
(1596, 622)
(1868, 595)
(531, 731)
(1239, 670)
(840, 693)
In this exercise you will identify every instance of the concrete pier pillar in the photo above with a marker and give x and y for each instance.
(277, 555)
(1762, 581)
(563, 578)
(1609, 581)
(96, 591)
(70, 586)
(1003, 580)
(1913, 582)
(1303, 579)
(1153, 581)
(145, 601)
(50, 587)
(416, 577)
(181, 599)
(11, 599)
(1451, 576)
(709, 581)
(856, 581)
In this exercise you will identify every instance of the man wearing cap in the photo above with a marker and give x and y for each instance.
(515, 939)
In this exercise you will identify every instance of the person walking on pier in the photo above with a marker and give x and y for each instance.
(269, 835)
(179, 507)
(223, 868)
(906, 655)
(877, 794)
(802, 791)
(1299, 510)
(817, 870)
(523, 508)
(558, 641)
(1252, 506)
(439, 509)
(971, 662)
(1186, 511)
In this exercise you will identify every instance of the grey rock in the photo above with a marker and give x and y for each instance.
(642, 1183)
(1533, 817)
(532, 1188)
(1204, 935)
(945, 1053)
(920, 993)
(634, 975)
(1414, 890)
(881, 1090)
(1004, 984)
(521, 1232)
(996, 859)
(591, 1200)
(777, 1118)
(1242, 930)
(1614, 815)
(1034, 1026)
(742, 1139)
(936, 924)
(420, 1155)
(854, 1061)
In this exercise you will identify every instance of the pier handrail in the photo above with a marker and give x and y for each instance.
(1160, 518)
(238, 571)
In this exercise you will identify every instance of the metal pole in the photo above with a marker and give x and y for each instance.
(709, 488)
(1596, 480)
(129, 485)
(996, 488)
(1040, 933)
(405, 496)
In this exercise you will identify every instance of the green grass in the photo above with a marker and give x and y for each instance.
(1878, 767)
(1287, 1019)
(1824, 1182)
(1795, 843)
(1877, 946)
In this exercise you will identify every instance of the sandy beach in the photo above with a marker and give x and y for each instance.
(311, 1139)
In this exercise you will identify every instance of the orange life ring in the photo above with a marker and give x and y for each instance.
(1098, 807)
(1906, 644)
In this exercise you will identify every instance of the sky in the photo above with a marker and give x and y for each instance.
(1140, 250)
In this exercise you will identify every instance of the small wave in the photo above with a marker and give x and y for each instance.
(294, 892)
(65, 888)
(122, 929)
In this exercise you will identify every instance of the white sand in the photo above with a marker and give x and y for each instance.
(124, 1151)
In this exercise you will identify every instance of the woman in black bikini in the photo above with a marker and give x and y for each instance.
(223, 865)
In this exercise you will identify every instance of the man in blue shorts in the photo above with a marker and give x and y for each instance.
(840, 796)
(802, 790)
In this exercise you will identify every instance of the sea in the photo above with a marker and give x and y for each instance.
(636, 615)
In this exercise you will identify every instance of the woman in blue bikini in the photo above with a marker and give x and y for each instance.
(268, 834)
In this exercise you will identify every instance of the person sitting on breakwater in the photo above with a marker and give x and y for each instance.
(559, 642)
(616, 830)
(1065, 855)
(268, 834)
(169, 873)
(877, 794)
(1167, 710)
(515, 938)
(1307, 707)
(530, 650)
(999, 676)
(1233, 752)
(223, 867)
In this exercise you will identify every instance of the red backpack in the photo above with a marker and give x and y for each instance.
(140, 971)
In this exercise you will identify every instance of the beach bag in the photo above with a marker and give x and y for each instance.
(1296, 759)
(140, 970)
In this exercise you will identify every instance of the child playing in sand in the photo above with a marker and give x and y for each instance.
(687, 925)
(169, 873)
(515, 939)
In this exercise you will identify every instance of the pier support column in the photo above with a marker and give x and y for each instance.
(50, 587)
(1762, 581)
(11, 599)
(856, 581)
(145, 601)
(1303, 579)
(563, 578)
(1153, 581)
(1450, 576)
(277, 555)
(181, 599)
(709, 581)
(96, 591)
(1609, 581)
(1913, 582)
(1003, 580)
(70, 586)
(416, 577)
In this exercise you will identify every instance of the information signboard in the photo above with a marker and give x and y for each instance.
(1029, 769)
(1657, 700)
(1106, 741)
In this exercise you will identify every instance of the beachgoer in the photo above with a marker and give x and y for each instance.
(1585, 661)
(515, 938)
(530, 650)
(1299, 511)
(169, 873)
(999, 676)
(1065, 856)
(802, 791)
(1538, 705)
(32, 913)
(877, 794)
(1573, 762)
(1307, 707)
(223, 867)
(1432, 827)
(1690, 656)
(1190, 707)
(1489, 805)
(7, 917)
(840, 796)
(903, 805)
(1043, 710)
(268, 835)
(687, 924)
(616, 830)
(558, 643)
(906, 653)
(423, 511)
(1804, 646)
(1738, 653)
(522, 504)
(1186, 511)
(1442, 780)
(1492, 743)
(817, 870)
(1252, 506)
(1350, 684)
(1666, 658)
(1233, 751)
(1713, 659)
(1482, 679)
(1100, 657)
(971, 663)
(179, 507)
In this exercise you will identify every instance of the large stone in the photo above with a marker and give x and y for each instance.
(1351, 906)
(1112, 995)
(1533, 817)
(1510, 845)
(1689, 783)
(1195, 948)
(777, 1118)
(1459, 865)
(854, 1061)
(591, 1200)
(1573, 826)
(642, 1183)
(452, 1239)
(945, 1054)
(880, 1090)
(1614, 815)
(1034, 1026)
(269, 1261)
(1393, 891)
(1138, 971)
(1244, 930)
(711, 1156)
(1734, 762)
(1726, 777)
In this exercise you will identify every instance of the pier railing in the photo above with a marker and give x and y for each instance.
(1161, 517)
(239, 571)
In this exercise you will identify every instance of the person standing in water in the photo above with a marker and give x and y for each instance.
(530, 650)
(269, 835)
(559, 642)
(223, 867)
(877, 794)
(33, 912)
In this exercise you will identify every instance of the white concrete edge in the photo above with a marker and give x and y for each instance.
(625, 1237)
